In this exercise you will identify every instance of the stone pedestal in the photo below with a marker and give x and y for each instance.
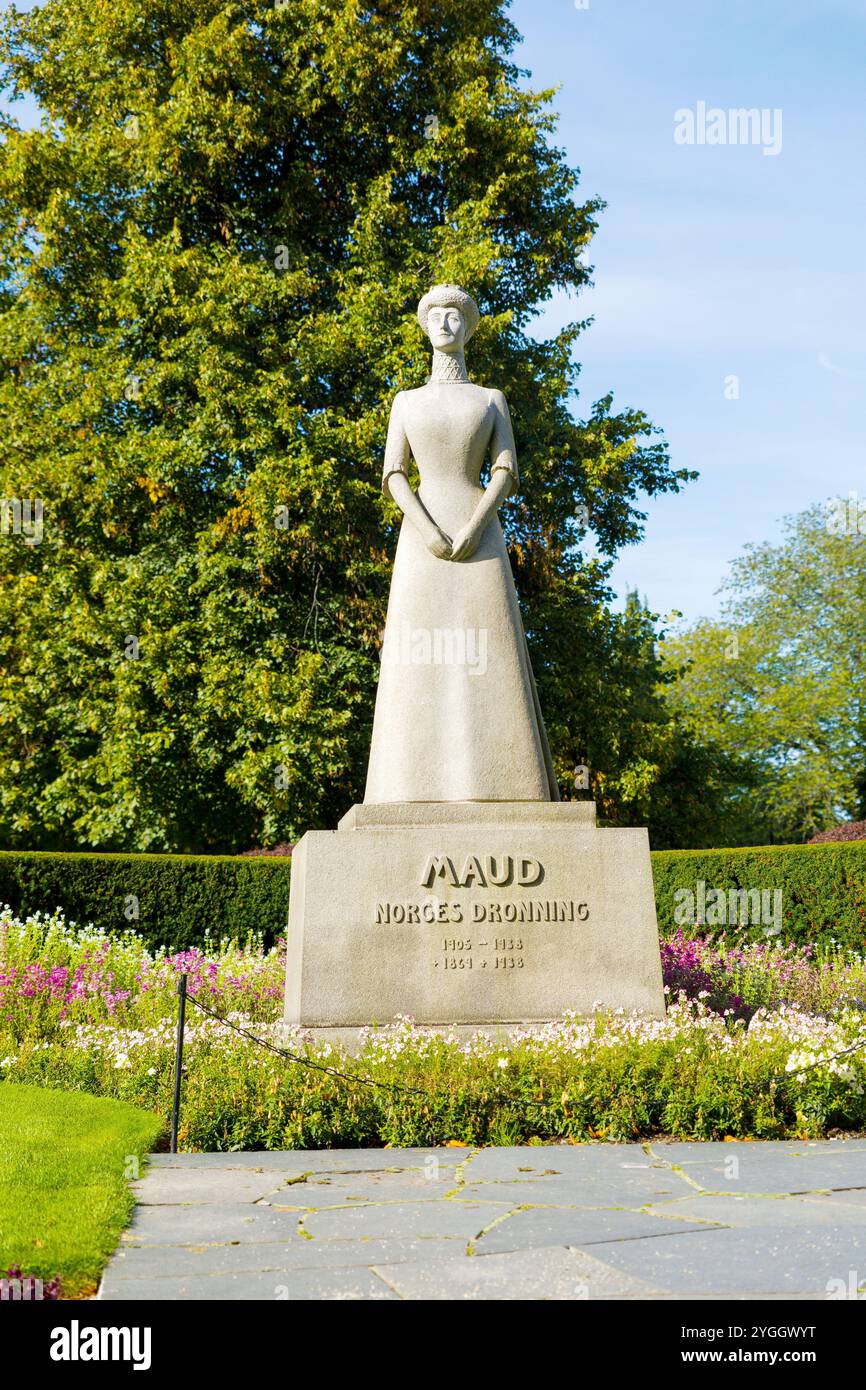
(470, 913)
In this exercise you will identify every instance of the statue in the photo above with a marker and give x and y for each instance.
(462, 891)
(457, 715)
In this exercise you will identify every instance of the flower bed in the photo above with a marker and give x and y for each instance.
(743, 977)
(747, 1050)
(53, 974)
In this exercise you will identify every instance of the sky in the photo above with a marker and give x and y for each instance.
(718, 261)
(730, 285)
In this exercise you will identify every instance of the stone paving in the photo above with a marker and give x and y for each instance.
(599, 1221)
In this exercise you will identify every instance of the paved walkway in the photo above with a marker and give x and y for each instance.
(754, 1220)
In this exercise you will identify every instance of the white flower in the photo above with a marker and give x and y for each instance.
(502, 1062)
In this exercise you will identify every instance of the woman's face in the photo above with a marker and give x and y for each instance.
(446, 329)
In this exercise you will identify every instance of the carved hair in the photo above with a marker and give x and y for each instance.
(450, 297)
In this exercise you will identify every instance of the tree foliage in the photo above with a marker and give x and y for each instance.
(779, 686)
(211, 251)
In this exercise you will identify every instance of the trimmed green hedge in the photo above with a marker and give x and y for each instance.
(823, 888)
(179, 897)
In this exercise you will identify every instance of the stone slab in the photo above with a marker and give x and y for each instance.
(783, 1213)
(556, 1273)
(280, 1285)
(179, 1187)
(632, 1190)
(530, 1227)
(725, 1261)
(384, 815)
(155, 1261)
(293, 1163)
(340, 1189)
(204, 1224)
(582, 1162)
(685, 1152)
(388, 1220)
(470, 924)
(845, 1197)
(760, 1168)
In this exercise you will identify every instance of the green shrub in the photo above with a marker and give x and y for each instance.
(823, 888)
(179, 897)
(692, 1075)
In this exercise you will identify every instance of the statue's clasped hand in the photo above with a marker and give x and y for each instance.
(440, 544)
(465, 543)
(462, 547)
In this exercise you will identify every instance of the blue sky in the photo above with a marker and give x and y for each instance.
(714, 261)
(717, 260)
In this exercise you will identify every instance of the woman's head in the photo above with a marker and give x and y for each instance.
(449, 317)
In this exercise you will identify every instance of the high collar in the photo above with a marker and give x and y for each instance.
(448, 367)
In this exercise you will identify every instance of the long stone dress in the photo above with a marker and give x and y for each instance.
(457, 715)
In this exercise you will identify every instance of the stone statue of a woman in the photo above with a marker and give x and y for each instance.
(457, 715)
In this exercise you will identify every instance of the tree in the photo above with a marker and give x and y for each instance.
(648, 768)
(779, 685)
(211, 251)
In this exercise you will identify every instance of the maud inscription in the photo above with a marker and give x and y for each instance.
(481, 872)
(490, 870)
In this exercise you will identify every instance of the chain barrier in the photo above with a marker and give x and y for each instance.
(395, 1086)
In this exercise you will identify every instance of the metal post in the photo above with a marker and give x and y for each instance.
(178, 1061)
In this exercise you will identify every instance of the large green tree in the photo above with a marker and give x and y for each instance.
(210, 254)
(778, 686)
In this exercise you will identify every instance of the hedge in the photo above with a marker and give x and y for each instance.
(823, 889)
(177, 897)
(180, 897)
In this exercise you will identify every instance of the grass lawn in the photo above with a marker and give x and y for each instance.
(65, 1161)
